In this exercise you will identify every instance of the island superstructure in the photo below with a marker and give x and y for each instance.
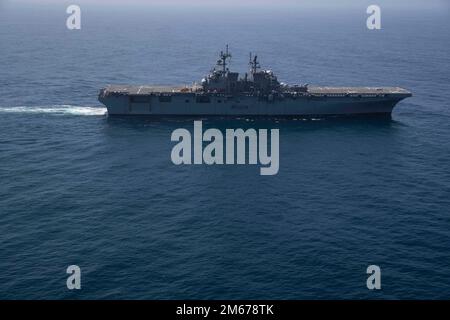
(257, 93)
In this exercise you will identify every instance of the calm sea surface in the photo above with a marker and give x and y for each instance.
(77, 187)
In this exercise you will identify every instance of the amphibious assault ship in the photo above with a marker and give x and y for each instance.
(257, 93)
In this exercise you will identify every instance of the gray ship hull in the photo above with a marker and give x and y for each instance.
(182, 101)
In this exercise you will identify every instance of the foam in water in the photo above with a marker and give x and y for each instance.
(57, 109)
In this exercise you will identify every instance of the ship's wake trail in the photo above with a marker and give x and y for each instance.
(56, 109)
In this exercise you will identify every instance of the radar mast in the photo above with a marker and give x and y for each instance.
(222, 62)
(254, 64)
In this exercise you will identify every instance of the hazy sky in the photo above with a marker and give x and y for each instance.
(442, 6)
(256, 3)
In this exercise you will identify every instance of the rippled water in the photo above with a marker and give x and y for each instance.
(78, 187)
(63, 110)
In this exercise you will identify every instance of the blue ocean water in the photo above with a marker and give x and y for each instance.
(78, 187)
